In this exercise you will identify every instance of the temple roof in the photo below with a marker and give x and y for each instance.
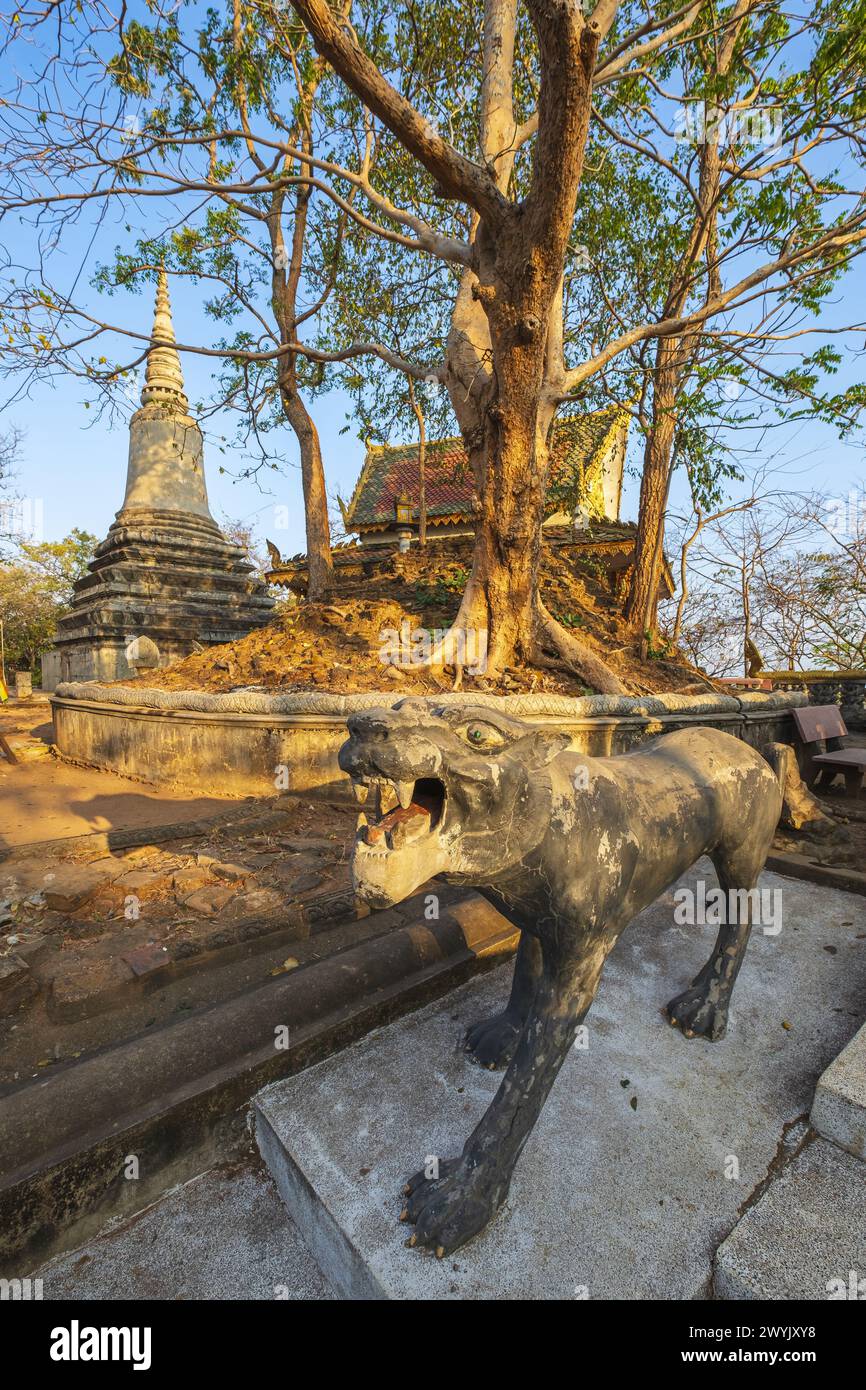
(391, 471)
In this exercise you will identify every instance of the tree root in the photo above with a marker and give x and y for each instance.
(576, 655)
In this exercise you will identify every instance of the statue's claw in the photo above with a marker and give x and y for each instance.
(491, 1041)
(696, 1015)
(449, 1210)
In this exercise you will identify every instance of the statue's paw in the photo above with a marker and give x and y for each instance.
(424, 1182)
(491, 1041)
(698, 1016)
(448, 1211)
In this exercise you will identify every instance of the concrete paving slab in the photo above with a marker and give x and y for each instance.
(225, 1235)
(839, 1107)
(805, 1237)
(648, 1148)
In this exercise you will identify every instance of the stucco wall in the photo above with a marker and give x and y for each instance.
(253, 744)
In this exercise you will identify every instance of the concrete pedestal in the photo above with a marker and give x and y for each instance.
(647, 1151)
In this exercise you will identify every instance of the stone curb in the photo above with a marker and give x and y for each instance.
(141, 972)
(839, 1107)
(796, 866)
(803, 1237)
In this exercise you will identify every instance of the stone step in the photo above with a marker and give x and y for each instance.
(839, 1107)
(805, 1237)
(224, 1235)
(171, 1093)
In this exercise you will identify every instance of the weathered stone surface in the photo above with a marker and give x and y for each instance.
(839, 1107)
(300, 844)
(805, 1234)
(88, 990)
(298, 874)
(225, 1235)
(208, 900)
(30, 945)
(235, 873)
(186, 881)
(144, 960)
(73, 885)
(261, 902)
(143, 883)
(21, 877)
(305, 883)
(799, 806)
(16, 983)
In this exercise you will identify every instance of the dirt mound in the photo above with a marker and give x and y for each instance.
(344, 645)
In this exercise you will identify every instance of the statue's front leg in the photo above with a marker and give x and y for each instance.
(470, 1190)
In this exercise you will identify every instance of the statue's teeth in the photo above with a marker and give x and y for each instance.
(360, 789)
(387, 797)
(404, 792)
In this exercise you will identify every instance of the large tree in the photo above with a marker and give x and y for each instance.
(493, 203)
(505, 368)
(755, 171)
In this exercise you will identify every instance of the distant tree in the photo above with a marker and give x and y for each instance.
(710, 634)
(35, 592)
(785, 572)
(61, 563)
(29, 612)
(811, 604)
(10, 444)
(243, 534)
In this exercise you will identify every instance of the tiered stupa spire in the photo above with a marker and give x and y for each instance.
(165, 571)
(163, 382)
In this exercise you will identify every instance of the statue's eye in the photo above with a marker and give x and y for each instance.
(483, 735)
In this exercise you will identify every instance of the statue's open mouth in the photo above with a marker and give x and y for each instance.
(398, 813)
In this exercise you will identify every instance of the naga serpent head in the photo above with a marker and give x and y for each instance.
(456, 790)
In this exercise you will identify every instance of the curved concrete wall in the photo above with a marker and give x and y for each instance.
(249, 743)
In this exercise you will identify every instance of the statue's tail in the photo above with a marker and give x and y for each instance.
(799, 806)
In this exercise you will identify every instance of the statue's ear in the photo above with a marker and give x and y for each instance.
(544, 746)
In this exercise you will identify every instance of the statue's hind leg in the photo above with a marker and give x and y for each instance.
(491, 1041)
(702, 1009)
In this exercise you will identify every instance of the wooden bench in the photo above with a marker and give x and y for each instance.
(823, 725)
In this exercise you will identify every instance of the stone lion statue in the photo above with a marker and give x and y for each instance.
(570, 849)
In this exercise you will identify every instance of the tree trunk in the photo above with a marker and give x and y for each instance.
(422, 465)
(504, 389)
(684, 576)
(320, 567)
(286, 278)
(747, 614)
(508, 540)
(519, 275)
(642, 602)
